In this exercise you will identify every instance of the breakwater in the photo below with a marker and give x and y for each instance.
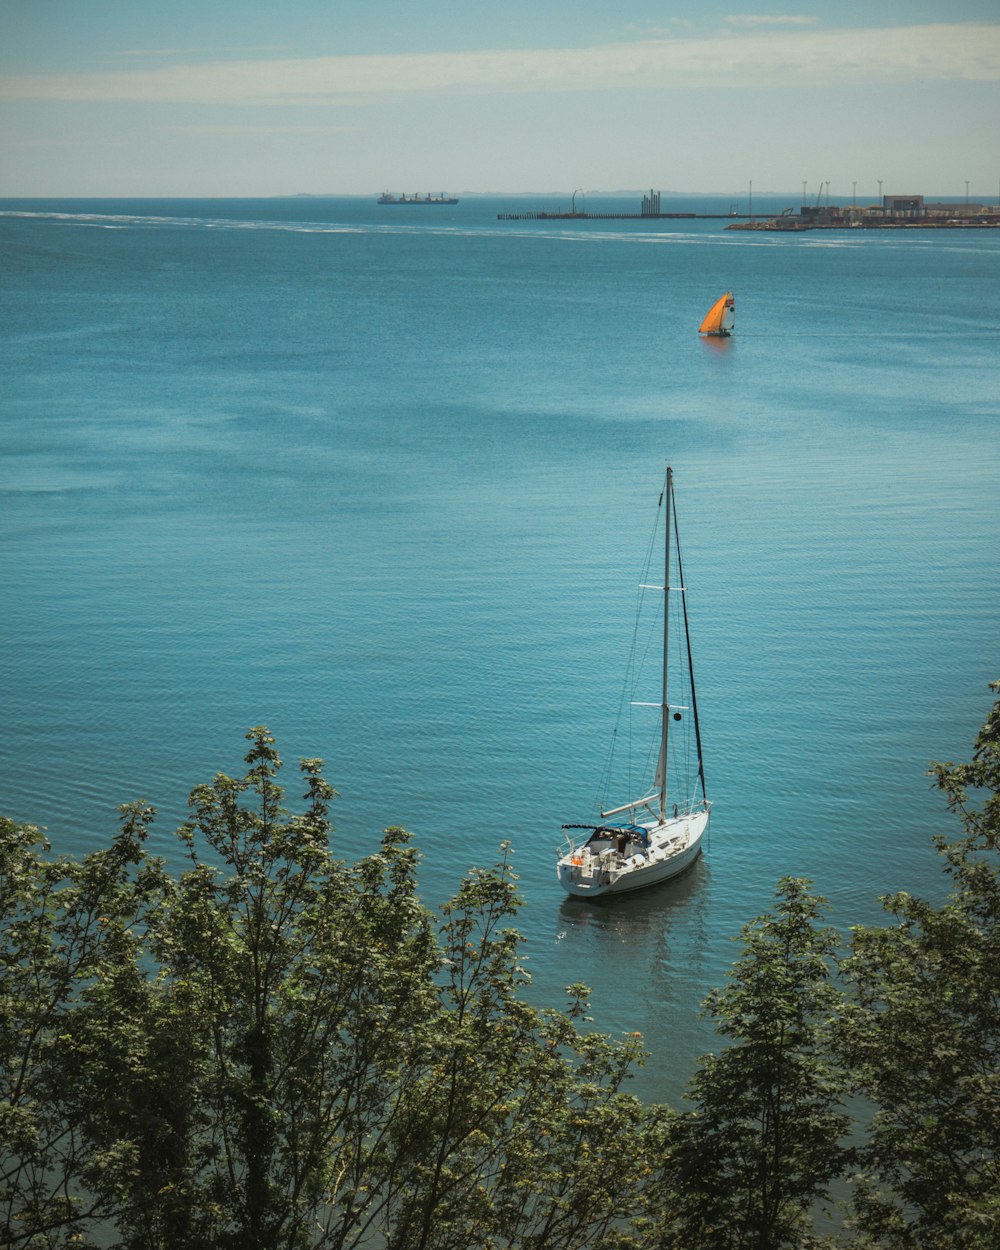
(594, 216)
(649, 211)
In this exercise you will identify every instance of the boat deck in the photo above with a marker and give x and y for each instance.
(614, 859)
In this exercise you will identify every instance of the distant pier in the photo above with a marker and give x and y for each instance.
(602, 216)
(650, 211)
(895, 212)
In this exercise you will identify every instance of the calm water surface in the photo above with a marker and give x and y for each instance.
(383, 479)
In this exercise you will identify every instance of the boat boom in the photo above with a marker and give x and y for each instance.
(628, 807)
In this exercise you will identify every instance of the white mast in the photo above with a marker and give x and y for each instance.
(664, 706)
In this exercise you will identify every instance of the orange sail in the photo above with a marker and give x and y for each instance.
(721, 317)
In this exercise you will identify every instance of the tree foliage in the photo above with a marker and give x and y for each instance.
(276, 1049)
(924, 1034)
(765, 1137)
(272, 1048)
(67, 938)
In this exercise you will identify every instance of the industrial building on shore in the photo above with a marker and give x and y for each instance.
(894, 211)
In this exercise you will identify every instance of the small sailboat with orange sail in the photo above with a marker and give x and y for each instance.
(721, 318)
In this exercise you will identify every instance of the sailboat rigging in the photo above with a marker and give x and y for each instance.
(662, 831)
(720, 320)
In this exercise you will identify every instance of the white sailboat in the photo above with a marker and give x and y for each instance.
(658, 835)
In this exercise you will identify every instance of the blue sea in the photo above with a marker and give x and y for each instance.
(382, 478)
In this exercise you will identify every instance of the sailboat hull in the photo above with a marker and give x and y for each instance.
(597, 868)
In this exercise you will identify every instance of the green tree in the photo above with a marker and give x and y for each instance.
(764, 1140)
(64, 925)
(924, 1036)
(277, 1049)
(299, 984)
(522, 1130)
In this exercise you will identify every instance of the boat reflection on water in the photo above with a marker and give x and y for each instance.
(647, 958)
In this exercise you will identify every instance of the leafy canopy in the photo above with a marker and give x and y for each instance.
(275, 1048)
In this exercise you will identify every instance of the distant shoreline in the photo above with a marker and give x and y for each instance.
(776, 226)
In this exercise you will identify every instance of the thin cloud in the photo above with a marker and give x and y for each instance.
(164, 53)
(751, 20)
(929, 53)
(662, 30)
(256, 131)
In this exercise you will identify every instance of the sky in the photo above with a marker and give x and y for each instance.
(245, 98)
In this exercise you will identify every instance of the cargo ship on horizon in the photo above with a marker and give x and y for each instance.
(387, 197)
